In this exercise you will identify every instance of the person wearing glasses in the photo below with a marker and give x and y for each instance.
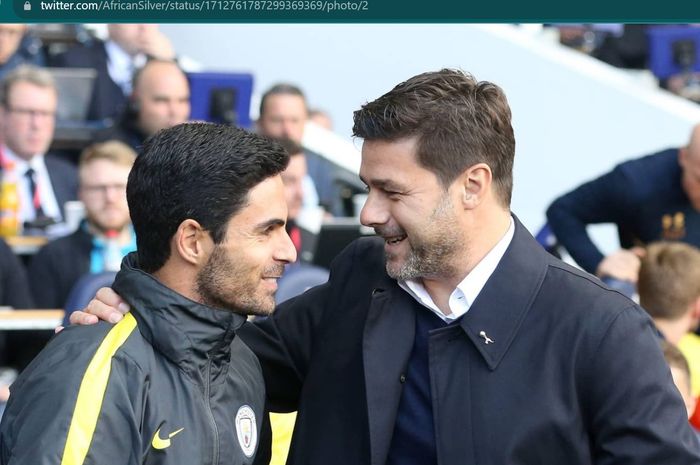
(28, 100)
(106, 231)
(103, 172)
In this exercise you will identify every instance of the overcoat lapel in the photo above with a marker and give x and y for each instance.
(388, 341)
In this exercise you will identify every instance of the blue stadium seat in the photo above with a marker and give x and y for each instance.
(84, 290)
(297, 279)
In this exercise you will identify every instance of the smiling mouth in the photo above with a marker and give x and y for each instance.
(394, 239)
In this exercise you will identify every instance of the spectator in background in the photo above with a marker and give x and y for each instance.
(14, 288)
(680, 372)
(14, 292)
(669, 290)
(104, 170)
(283, 115)
(321, 118)
(160, 100)
(656, 197)
(18, 47)
(127, 48)
(293, 178)
(28, 101)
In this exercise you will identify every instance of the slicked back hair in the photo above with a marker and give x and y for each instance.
(456, 120)
(198, 171)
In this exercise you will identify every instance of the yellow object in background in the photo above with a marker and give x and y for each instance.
(689, 345)
(9, 204)
(282, 425)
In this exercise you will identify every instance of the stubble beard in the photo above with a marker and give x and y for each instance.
(219, 285)
(431, 254)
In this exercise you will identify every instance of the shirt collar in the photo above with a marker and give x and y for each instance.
(117, 55)
(20, 164)
(121, 65)
(467, 291)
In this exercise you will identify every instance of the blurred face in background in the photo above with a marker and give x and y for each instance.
(162, 95)
(103, 191)
(132, 38)
(293, 178)
(283, 117)
(28, 119)
(10, 38)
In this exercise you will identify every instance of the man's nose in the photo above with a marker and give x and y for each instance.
(286, 251)
(374, 211)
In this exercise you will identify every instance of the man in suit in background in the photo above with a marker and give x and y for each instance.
(18, 47)
(293, 178)
(54, 270)
(160, 99)
(127, 48)
(28, 100)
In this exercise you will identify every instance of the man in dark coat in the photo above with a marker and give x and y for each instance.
(45, 182)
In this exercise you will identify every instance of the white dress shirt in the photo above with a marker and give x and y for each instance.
(466, 292)
(121, 65)
(46, 195)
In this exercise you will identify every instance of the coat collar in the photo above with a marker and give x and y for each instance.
(188, 333)
(502, 304)
(389, 329)
(386, 347)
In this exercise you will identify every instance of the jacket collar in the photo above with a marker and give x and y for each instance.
(188, 333)
(502, 304)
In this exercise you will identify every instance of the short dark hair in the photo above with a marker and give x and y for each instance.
(280, 89)
(458, 122)
(200, 171)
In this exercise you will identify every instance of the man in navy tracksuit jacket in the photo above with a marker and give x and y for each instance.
(171, 383)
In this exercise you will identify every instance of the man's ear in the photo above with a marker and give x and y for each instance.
(192, 243)
(474, 183)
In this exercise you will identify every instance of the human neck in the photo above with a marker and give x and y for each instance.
(179, 277)
(673, 330)
(481, 235)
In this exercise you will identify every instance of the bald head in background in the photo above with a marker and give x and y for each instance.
(161, 96)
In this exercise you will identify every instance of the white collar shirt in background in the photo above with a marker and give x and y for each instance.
(121, 65)
(48, 199)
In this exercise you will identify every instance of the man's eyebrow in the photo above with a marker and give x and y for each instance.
(271, 222)
(382, 184)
